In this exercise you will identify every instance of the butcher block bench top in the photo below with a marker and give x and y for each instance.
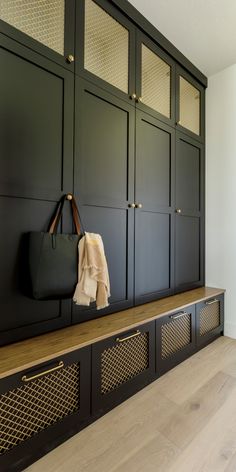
(30, 352)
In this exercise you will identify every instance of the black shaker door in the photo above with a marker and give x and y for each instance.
(189, 227)
(154, 213)
(36, 162)
(104, 161)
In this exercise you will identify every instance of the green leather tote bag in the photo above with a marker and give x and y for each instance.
(53, 258)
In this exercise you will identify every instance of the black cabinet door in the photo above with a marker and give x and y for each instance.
(209, 319)
(189, 219)
(45, 27)
(154, 220)
(121, 365)
(36, 166)
(105, 47)
(36, 124)
(175, 338)
(104, 170)
(43, 406)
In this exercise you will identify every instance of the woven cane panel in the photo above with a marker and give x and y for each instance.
(209, 318)
(34, 406)
(106, 46)
(175, 336)
(43, 20)
(189, 106)
(155, 82)
(123, 362)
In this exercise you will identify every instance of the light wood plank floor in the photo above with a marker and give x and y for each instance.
(183, 422)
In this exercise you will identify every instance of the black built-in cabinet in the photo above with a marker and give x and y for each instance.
(45, 404)
(90, 119)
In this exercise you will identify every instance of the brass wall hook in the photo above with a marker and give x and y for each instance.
(69, 196)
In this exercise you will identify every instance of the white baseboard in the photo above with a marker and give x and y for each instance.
(230, 330)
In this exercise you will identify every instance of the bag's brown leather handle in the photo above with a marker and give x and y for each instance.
(57, 216)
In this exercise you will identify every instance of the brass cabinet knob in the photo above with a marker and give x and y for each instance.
(133, 96)
(178, 210)
(139, 205)
(70, 58)
(131, 205)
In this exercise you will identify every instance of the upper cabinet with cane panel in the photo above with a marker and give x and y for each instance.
(189, 105)
(45, 26)
(155, 74)
(117, 56)
(106, 44)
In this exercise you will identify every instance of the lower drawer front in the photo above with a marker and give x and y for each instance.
(175, 335)
(175, 338)
(209, 318)
(34, 401)
(121, 364)
(33, 407)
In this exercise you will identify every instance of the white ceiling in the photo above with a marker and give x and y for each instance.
(203, 30)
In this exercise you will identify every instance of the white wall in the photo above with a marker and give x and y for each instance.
(221, 190)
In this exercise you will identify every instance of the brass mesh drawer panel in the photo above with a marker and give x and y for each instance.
(29, 409)
(123, 362)
(175, 336)
(209, 318)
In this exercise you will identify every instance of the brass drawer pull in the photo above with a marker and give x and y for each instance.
(121, 340)
(212, 301)
(178, 315)
(36, 376)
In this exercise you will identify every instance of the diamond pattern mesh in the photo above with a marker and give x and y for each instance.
(155, 82)
(43, 20)
(123, 362)
(209, 318)
(106, 46)
(175, 336)
(189, 106)
(34, 406)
